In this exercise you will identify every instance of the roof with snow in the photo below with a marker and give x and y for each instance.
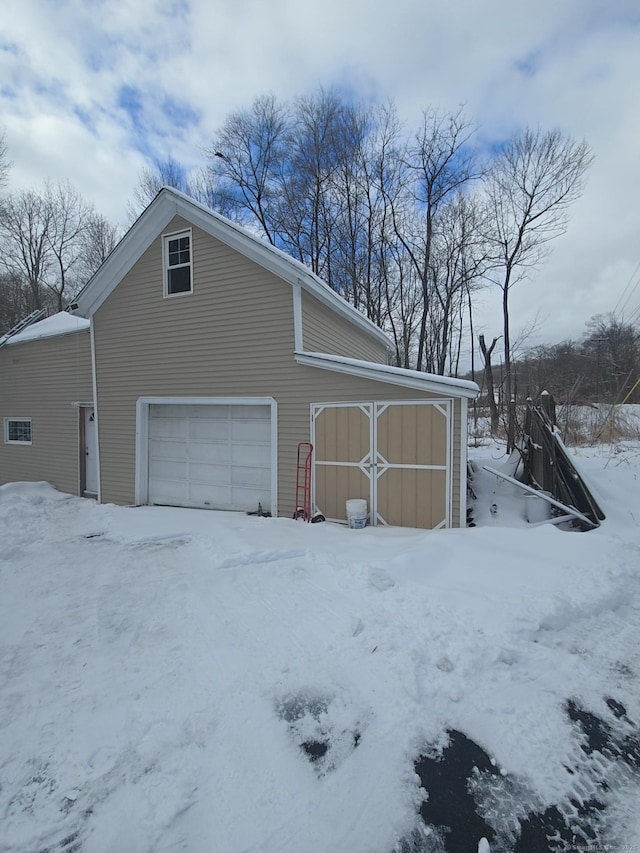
(62, 323)
(169, 203)
(386, 373)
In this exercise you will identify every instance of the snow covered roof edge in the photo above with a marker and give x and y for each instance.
(387, 373)
(57, 325)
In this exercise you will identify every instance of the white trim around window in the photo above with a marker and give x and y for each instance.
(177, 263)
(17, 431)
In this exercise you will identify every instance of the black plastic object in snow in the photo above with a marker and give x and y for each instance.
(260, 512)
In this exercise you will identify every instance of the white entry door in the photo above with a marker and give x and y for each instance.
(210, 456)
(90, 452)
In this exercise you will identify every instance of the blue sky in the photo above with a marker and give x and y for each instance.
(91, 90)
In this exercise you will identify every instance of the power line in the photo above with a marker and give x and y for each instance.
(631, 292)
(634, 316)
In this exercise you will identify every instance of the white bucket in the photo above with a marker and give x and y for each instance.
(536, 508)
(357, 513)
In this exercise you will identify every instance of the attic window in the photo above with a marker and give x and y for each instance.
(177, 264)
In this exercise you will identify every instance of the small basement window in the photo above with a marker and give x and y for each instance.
(177, 264)
(17, 430)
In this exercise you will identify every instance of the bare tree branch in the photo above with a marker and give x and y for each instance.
(530, 186)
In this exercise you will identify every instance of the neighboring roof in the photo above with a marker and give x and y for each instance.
(169, 203)
(51, 327)
(430, 382)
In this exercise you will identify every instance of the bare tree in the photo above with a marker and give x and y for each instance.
(245, 169)
(5, 165)
(66, 239)
(603, 366)
(24, 231)
(50, 244)
(353, 202)
(615, 349)
(163, 173)
(460, 259)
(391, 224)
(302, 175)
(14, 301)
(320, 146)
(438, 163)
(488, 373)
(100, 238)
(335, 185)
(531, 184)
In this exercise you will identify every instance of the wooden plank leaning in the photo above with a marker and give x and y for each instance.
(569, 510)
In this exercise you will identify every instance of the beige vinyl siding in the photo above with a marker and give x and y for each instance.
(234, 336)
(41, 380)
(231, 337)
(324, 330)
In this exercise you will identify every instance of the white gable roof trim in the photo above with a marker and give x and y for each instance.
(122, 258)
(393, 375)
(169, 203)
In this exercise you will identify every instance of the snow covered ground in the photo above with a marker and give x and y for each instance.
(182, 680)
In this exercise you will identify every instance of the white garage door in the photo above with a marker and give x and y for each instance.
(212, 456)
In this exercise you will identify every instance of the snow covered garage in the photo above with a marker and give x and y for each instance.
(213, 354)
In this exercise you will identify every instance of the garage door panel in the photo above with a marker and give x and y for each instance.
(219, 412)
(244, 498)
(158, 410)
(247, 413)
(231, 497)
(206, 474)
(168, 428)
(167, 491)
(251, 431)
(256, 456)
(202, 452)
(208, 429)
(170, 469)
(210, 455)
(159, 449)
(250, 477)
(210, 496)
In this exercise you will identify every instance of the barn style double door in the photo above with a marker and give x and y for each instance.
(395, 455)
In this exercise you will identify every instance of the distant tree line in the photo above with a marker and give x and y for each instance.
(51, 242)
(602, 367)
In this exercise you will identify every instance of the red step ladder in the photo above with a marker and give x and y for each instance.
(303, 482)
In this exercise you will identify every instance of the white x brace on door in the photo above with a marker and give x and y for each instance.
(396, 455)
